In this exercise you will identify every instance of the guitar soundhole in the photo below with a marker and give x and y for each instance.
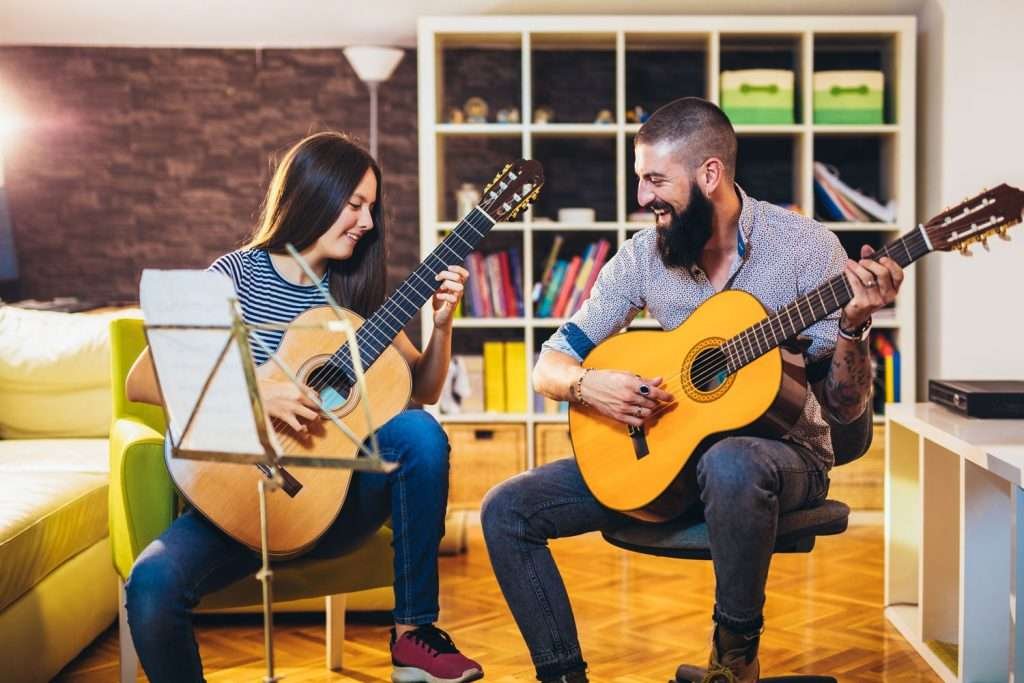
(331, 384)
(708, 371)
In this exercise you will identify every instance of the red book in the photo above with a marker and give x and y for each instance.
(599, 258)
(509, 288)
(567, 285)
(480, 276)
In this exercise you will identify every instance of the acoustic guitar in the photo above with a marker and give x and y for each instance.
(731, 370)
(227, 493)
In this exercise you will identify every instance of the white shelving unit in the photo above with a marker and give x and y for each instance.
(523, 40)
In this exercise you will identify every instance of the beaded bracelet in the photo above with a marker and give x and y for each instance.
(577, 388)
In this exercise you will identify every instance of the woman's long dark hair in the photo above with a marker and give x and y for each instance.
(309, 189)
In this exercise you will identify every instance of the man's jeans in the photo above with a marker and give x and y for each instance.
(745, 483)
(193, 558)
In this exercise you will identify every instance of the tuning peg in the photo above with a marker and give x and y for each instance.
(984, 243)
(965, 250)
(1003, 234)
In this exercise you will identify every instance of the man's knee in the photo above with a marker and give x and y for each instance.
(731, 468)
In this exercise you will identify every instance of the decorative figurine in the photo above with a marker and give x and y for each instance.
(604, 116)
(466, 199)
(455, 115)
(509, 115)
(543, 115)
(476, 110)
(637, 115)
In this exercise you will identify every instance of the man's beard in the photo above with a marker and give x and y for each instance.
(681, 243)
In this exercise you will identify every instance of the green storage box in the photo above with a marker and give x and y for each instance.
(848, 96)
(758, 96)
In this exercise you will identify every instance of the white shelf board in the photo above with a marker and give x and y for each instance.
(482, 417)
(906, 619)
(846, 226)
(855, 129)
(574, 129)
(484, 129)
(488, 322)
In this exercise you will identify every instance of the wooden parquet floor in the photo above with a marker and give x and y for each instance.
(638, 616)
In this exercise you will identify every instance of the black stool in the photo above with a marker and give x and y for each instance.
(688, 539)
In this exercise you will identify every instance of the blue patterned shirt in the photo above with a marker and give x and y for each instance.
(781, 256)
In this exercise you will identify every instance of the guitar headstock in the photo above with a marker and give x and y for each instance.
(990, 213)
(513, 189)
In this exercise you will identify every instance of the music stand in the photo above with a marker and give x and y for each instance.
(199, 344)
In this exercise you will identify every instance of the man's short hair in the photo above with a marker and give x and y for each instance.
(698, 125)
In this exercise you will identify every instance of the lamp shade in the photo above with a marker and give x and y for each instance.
(373, 64)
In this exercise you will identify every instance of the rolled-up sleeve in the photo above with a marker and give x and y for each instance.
(616, 297)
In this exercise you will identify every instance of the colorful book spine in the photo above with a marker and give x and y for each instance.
(494, 376)
(568, 282)
(515, 377)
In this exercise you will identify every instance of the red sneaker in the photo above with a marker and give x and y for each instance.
(428, 655)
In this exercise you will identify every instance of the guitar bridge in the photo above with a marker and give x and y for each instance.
(290, 484)
(639, 439)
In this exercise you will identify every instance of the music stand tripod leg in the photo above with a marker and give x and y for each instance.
(266, 576)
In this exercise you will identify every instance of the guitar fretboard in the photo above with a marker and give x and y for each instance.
(759, 339)
(381, 328)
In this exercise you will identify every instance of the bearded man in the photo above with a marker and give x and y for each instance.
(709, 236)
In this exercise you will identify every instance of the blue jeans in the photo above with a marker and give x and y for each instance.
(193, 558)
(744, 482)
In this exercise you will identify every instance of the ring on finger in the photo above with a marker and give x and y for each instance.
(639, 411)
(645, 390)
(870, 283)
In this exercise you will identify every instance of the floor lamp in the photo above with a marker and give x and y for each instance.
(373, 65)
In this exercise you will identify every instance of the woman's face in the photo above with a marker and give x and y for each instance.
(356, 219)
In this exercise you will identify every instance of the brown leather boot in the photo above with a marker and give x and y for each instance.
(733, 660)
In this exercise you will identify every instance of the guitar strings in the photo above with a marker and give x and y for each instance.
(341, 369)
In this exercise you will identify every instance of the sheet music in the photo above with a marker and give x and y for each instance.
(184, 359)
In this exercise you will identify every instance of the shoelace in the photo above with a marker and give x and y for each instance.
(435, 639)
(719, 674)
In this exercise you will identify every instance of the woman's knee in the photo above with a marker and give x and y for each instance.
(153, 590)
(425, 442)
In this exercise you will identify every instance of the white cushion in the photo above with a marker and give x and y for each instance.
(55, 373)
(54, 455)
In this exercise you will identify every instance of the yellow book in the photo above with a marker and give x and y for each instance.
(494, 376)
(515, 377)
(890, 380)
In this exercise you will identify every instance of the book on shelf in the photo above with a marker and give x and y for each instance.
(885, 360)
(494, 287)
(494, 382)
(571, 280)
(840, 202)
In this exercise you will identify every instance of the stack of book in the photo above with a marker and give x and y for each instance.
(566, 283)
(885, 358)
(494, 288)
(494, 382)
(837, 201)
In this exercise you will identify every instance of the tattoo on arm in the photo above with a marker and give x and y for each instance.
(848, 386)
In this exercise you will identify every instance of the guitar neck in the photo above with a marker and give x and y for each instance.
(381, 328)
(759, 339)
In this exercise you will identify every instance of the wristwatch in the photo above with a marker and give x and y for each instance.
(858, 334)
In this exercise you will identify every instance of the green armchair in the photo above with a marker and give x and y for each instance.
(143, 502)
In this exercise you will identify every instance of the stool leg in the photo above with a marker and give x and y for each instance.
(335, 609)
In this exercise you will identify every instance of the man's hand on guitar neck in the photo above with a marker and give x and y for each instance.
(623, 396)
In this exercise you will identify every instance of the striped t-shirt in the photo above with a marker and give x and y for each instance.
(265, 296)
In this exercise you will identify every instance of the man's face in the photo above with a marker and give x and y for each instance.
(683, 214)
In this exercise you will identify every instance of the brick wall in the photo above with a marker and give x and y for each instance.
(141, 158)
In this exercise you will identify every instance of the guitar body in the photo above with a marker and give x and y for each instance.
(653, 477)
(227, 493)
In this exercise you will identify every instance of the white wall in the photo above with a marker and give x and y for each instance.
(971, 135)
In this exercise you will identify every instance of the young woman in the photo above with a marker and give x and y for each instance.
(324, 199)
